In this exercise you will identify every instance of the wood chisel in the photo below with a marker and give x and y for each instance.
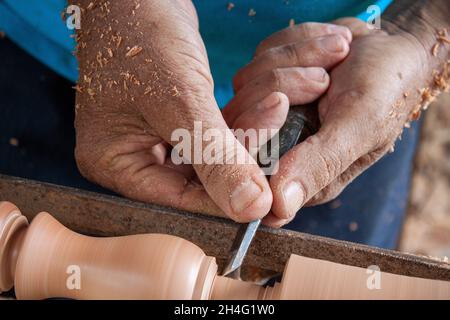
(301, 122)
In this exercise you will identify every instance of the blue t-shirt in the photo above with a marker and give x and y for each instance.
(230, 36)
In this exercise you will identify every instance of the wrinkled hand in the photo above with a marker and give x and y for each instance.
(373, 93)
(144, 73)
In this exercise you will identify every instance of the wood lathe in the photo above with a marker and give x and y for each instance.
(37, 258)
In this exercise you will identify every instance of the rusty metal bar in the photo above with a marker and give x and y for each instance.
(102, 215)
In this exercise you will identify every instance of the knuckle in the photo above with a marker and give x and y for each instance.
(274, 78)
(291, 52)
(331, 163)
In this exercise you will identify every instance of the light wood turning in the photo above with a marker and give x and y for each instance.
(42, 258)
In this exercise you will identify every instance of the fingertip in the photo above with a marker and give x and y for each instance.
(277, 103)
(316, 74)
(341, 30)
(289, 197)
(269, 113)
(284, 100)
(273, 221)
(251, 200)
(317, 77)
(289, 193)
(344, 43)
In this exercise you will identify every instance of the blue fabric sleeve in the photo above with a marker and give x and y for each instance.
(37, 27)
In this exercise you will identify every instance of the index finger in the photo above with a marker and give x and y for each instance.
(304, 31)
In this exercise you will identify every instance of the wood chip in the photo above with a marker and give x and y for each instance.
(78, 88)
(435, 49)
(444, 39)
(14, 142)
(251, 12)
(110, 52)
(133, 51)
(119, 41)
(230, 6)
(175, 91)
(415, 115)
(291, 23)
(2, 34)
(90, 6)
(353, 226)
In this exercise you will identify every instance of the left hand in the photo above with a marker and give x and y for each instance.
(373, 94)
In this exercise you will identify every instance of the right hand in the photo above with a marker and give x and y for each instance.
(287, 61)
(129, 105)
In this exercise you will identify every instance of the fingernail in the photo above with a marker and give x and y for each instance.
(344, 31)
(244, 195)
(293, 197)
(332, 43)
(314, 74)
(271, 101)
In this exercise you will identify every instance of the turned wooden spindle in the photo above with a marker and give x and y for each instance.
(38, 258)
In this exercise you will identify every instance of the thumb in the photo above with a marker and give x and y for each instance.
(194, 125)
(314, 164)
(229, 174)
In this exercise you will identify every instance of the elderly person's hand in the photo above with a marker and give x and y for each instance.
(144, 73)
(374, 93)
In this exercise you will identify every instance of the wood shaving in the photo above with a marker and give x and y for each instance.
(335, 204)
(87, 79)
(147, 90)
(110, 52)
(415, 115)
(175, 91)
(230, 6)
(78, 88)
(435, 49)
(291, 23)
(251, 12)
(99, 59)
(14, 142)
(444, 39)
(133, 51)
(353, 226)
(398, 104)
